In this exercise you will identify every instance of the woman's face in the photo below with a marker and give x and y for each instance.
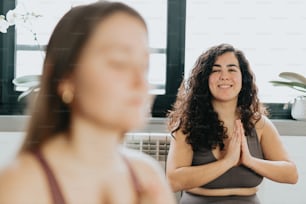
(110, 82)
(225, 80)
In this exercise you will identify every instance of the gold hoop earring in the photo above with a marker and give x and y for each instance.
(67, 96)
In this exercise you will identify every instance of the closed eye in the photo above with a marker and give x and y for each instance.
(215, 70)
(232, 67)
(117, 64)
(232, 70)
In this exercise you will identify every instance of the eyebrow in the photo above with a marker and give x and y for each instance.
(229, 65)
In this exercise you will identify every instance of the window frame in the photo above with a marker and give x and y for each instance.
(8, 96)
(175, 57)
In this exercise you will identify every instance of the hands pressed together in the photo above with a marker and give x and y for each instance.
(237, 150)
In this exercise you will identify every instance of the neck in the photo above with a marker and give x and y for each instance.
(92, 143)
(227, 111)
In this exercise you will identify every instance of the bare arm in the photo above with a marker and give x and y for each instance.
(183, 176)
(277, 166)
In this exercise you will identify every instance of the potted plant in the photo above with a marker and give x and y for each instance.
(298, 82)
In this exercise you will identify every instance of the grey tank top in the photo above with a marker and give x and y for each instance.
(236, 177)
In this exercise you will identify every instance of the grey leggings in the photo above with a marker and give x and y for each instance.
(188, 198)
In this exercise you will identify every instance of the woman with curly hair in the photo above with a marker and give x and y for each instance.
(223, 144)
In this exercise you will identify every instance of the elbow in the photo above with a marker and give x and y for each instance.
(293, 179)
(294, 176)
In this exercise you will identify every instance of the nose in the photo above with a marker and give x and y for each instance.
(140, 80)
(223, 75)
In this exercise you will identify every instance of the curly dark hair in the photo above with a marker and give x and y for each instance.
(193, 112)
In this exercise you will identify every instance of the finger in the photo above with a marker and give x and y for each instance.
(241, 127)
(237, 137)
(243, 135)
(243, 141)
(237, 128)
(237, 124)
(234, 132)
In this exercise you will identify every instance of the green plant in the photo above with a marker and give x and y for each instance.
(294, 80)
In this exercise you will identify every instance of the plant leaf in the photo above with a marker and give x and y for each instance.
(24, 94)
(294, 77)
(27, 92)
(294, 85)
(27, 81)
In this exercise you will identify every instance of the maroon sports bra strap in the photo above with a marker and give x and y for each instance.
(56, 193)
(135, 180)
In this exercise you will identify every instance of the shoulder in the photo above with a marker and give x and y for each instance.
(147, 169)
(179, 139)
(151, 176)
(20, 183)
(267, 125)
(141, 161)
(264, 122)
(264, 126)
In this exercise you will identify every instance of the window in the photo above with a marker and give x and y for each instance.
(24, 55)
(8, 96)
(30, 55)
(270, 33)
(272, 41)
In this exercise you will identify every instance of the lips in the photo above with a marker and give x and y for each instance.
(225, 86)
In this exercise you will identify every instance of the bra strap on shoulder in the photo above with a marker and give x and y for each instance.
(55, 191)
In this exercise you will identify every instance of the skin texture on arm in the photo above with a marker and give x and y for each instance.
(277, 165)
(183, 176)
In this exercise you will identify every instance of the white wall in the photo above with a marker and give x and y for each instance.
(275, 193)
(9, 145)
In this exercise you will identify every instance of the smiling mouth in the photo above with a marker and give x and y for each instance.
(225, 86)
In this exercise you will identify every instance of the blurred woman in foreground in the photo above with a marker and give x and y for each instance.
(93, 90)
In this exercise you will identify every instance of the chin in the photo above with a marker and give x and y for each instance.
(229, 99)
(129, 127)
(134, 122)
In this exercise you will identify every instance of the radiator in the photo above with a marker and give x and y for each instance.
(154, 144)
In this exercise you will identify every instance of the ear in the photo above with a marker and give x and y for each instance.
(65, 85)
